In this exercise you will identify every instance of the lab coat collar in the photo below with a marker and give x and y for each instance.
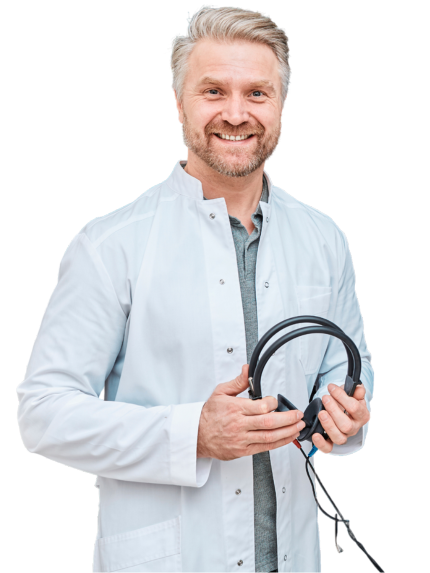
(184, 184)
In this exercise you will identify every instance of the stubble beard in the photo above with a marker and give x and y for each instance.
(200, 144)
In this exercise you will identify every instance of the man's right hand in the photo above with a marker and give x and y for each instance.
(232, 427)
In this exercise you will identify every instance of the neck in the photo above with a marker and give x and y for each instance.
(241, 194)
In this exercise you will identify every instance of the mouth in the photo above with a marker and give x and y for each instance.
(234, 138)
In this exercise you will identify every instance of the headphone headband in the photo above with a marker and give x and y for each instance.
(256, 366)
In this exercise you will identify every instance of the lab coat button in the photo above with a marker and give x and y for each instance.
(267, 219)
(283, 490)
(229, 350)
(240, 562)
(266, 284)
(221, 282)
(212, 215)
(238, 491)
(285, 557)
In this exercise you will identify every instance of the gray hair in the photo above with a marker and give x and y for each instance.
(229, 24)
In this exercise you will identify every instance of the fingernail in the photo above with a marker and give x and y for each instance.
(299, 415)
(323, 416)
(331, 387)
(326, 399)
(301, 425)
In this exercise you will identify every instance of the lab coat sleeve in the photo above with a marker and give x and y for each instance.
(334, 366)
(60, 414)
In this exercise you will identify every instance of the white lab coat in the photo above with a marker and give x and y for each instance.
(140, 311)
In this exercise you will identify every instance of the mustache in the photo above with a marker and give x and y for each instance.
(239, 130)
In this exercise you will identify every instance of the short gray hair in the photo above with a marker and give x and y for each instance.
(229, 24)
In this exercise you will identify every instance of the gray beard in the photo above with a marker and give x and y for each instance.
(200, 145)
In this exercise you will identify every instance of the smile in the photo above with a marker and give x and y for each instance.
(233, 137)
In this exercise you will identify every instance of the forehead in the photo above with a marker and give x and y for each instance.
(233, 62)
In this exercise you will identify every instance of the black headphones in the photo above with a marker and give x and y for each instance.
(257, 365)
(310, 415)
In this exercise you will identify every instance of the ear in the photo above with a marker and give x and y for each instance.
(179, 108)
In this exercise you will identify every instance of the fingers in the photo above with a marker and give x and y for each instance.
(323, 445)
(336, 436)
(360, 392)
(343, 423)
(356, 414)
(349, 403)
(258, 448)
(259, 407)
(272, 436)
(236, 386)
(273, 420)
(339, 424)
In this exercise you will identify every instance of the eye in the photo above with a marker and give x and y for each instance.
(257, 93)
(214, 92)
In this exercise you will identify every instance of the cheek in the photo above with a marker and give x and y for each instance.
(202, 113)
(272, 118)
(269, 118)
(194, 123)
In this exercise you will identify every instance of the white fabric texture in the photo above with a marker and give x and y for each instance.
(147, 319)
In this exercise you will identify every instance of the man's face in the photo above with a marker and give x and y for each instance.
(231, 90)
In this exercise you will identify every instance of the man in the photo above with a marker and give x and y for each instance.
(161, 304)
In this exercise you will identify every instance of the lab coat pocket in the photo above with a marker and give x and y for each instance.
(153, 548)
(313, 300)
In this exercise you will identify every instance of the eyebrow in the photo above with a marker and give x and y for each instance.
(208, 80)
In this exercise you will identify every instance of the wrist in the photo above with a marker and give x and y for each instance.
(201, 447)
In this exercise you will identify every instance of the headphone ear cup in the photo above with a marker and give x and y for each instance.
(310, 417)
(284, 405)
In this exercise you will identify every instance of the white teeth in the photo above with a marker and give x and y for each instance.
(233, 137)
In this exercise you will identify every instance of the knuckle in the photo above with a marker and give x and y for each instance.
(237, 454)
(348, 427)
(268, 422)
(267, 437)
(230, 407)
(248, 451)
(341, 440)
(264, 407)
(353, 409)
(271, 446)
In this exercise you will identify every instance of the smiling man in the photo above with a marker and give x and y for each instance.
(230, 106)
(161, 304)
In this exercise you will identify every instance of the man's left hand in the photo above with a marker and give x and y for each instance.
(340, 425)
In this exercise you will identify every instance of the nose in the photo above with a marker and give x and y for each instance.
(234, 110)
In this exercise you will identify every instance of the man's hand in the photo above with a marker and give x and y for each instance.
(339, 425)
(232, 427)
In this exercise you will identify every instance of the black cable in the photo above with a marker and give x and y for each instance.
(336, 519)
(256, 367)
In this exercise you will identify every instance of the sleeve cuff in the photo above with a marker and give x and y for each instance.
(185, 468)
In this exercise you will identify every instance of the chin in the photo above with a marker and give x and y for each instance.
(234, 169)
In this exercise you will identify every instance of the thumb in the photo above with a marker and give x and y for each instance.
(236, 386)
(360, 392)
